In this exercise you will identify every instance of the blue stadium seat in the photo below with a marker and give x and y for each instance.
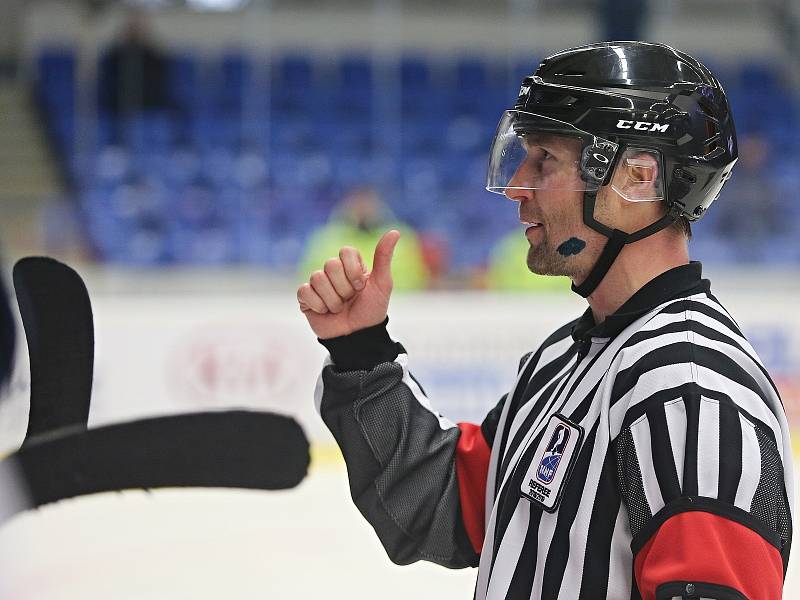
(235, 83)
(415, 73)
(110, 166)
(212, 130)
(254, 245)
(760, 76)
(472, 74)
(56, 68)
(183, 80)
(292, 133)
(151, 131)
(210, 245)
(295, 71)
(355, 72)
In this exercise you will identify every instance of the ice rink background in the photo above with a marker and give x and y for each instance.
(175, 342)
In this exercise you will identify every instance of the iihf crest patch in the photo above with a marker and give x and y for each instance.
(552, 463)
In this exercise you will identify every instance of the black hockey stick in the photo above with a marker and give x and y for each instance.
(231, 449)
(57, 317)
(7, 337)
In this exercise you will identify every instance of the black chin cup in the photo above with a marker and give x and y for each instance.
(616, 242)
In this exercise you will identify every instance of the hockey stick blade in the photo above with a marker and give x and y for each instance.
(231, 449)
(57, 317)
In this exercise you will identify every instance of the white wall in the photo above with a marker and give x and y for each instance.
(165, 349)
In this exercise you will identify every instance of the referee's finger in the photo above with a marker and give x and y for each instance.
(309, 300)
(325, 290)
(336, 275)
(353, 266)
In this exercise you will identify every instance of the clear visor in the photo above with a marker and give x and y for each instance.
(534, 152)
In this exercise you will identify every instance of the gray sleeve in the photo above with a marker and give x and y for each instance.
(400, 458)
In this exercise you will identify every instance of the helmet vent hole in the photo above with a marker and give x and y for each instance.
(553, 99)
(712, 145)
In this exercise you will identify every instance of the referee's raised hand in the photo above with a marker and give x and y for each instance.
(344, 297)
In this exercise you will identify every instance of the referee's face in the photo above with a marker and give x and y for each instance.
(550, 208)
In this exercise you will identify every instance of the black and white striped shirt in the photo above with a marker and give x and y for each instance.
(668, 465)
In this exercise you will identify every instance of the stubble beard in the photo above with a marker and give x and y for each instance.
(544, 260)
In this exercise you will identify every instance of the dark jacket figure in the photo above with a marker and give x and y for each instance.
(133, 72)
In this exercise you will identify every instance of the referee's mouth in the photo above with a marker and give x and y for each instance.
(532, 228)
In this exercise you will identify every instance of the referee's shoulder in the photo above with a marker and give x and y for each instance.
(688, 346)
(677, 327)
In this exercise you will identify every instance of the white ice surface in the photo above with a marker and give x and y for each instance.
(307, 543)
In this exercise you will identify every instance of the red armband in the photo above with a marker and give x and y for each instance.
(706, 548)
(472, 467)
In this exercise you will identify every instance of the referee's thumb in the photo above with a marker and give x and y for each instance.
(382, 261)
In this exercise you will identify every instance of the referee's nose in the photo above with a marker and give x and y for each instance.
(517, 194)
(520, 186)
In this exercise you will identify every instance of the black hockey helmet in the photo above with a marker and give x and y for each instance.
(620, 96)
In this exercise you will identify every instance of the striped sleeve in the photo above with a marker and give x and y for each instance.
(700, 465)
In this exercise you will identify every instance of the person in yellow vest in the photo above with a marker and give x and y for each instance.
(360, 221)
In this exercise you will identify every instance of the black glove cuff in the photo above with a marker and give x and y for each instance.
(364, 349)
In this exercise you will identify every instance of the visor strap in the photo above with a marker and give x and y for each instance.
(616, 242)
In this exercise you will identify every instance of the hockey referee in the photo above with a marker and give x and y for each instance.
(643, 450)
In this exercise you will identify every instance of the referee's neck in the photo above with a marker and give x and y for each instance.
(637, 264)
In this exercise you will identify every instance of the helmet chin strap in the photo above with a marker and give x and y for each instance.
(616, 242)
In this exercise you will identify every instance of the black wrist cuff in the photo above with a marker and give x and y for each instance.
(364, 349)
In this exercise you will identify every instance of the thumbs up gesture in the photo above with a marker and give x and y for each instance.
(344, 297)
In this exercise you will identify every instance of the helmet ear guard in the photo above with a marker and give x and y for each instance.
(638, 176)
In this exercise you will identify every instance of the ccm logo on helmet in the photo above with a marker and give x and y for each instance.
(642, 126)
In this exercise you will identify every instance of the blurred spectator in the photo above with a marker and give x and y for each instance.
(133, 71)
(360, 221)
(436, 255)
(751, 214)
(508, 270)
